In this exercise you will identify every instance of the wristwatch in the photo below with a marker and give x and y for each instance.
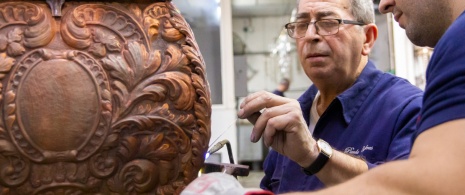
(325, 153)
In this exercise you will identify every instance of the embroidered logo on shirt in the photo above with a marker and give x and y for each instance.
(352, 150)
(367, 148)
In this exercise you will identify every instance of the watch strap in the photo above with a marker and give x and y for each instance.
(317, 165)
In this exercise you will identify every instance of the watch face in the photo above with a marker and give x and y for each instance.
(325, 147)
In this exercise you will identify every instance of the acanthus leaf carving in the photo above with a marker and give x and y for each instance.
(152, 27)
(142, 62)
(136, 65)
(3, 42)
(15, 49)
(153, 147)
(112, 141)
(38, 30)
(135, 10)
(13, 46)
(158, 147)
(110, 42)
(5, 66)
(175, 60)
(16, 35)
(98, 49)
(178, 88)
(170, 33)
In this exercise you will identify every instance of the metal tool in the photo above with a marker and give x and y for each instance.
(222, 133)
(253, 118)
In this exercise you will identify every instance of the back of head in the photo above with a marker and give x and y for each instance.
(284, 84)
(285, 81)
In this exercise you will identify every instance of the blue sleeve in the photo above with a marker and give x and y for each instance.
(402, 140)
(269, 166)
(276, 92)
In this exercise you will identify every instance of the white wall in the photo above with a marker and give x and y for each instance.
(260, 34)
(224, 115)
(403, 51)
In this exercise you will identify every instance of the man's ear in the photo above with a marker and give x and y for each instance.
(371, 34)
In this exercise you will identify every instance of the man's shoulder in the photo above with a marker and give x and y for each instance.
(394, 88)
(458, 25)
(373, 78)
(452, 40)
(393, 82)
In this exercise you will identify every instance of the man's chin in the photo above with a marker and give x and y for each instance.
(402, 25)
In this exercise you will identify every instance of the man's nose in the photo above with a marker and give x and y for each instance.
(386, 6)
(311, 30)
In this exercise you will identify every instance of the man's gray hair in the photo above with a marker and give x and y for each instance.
(362, 10)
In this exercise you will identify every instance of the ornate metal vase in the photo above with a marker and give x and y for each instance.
(100, 98)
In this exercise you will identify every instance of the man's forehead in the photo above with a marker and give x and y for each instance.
(338, 4)
(322, 8)
(318, 14)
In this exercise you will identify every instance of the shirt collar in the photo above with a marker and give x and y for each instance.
(352, 98)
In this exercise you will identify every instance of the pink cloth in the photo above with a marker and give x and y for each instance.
(219, 183)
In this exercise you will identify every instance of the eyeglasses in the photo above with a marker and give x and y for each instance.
(323, 27)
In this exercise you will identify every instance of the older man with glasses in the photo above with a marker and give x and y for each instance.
(353, 118)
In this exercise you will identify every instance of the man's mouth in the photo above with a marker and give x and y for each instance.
(397, 17)
(314, 55)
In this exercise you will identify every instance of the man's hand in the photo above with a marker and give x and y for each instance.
(281, 125)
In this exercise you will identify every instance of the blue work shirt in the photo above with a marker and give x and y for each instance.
(445, 87)
(374, 119)
(277, 92)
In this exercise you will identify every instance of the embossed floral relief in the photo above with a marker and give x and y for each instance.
(109, 98)
(12, 43)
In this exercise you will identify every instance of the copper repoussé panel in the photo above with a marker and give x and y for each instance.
(100, 98)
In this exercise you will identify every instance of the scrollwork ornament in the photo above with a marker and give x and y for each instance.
(14, 170)
(139, 176)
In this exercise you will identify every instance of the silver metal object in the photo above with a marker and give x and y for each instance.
(55, 6)
(222, 133)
